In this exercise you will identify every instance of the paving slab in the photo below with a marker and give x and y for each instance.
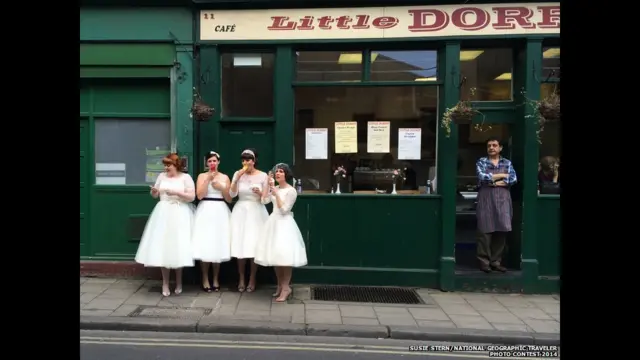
(125, 304)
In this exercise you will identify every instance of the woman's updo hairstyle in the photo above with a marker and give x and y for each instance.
(288, 173)
(212, 154)
(174, 159)
(250, 154)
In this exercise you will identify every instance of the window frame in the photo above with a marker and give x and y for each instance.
(91, 115)
(365, 75)
(245, 50)
(367, 82)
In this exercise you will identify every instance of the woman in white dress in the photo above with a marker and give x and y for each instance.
(248, 216)
(166, 240)
(211, 234)
(282, 245)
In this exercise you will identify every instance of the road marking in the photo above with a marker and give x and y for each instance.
(283, 347)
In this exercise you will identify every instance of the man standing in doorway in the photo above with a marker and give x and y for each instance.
(495, 210)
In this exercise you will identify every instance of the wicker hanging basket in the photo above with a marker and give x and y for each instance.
(463, 113)
(549, 108)
(201, 111)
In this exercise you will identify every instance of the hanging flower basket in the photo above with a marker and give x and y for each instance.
(545, 110)
(548, 108)
(461, 113)
(200, 110)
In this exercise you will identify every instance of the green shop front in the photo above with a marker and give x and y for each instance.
(135, 94)
(365, 88)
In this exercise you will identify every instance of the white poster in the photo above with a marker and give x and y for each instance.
(317, 144)
(378, 136)
(111, 174)
(409, 143)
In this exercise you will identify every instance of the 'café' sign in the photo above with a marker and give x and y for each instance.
(387, 22)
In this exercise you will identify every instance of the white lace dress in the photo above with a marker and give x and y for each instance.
(248, 215)
(282, 243)
(166, 240)
(211, 234)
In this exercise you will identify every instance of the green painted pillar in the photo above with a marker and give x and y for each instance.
(528, 70)
(183, 102)
(284, 112)
(208, 81)
(449, 72)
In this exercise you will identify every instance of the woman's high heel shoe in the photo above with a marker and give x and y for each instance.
(284, 295)
(277, 293)
(178, 290)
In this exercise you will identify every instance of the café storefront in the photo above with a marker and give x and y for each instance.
(365, 89)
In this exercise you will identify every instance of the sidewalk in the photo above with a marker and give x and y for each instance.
(120, 304)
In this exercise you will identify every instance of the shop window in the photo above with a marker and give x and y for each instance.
(488, 72)
(130, 151)
(550, 63)
(550, 148)
(378, 129)
(247, 85)
(328, 66)
(404, 65)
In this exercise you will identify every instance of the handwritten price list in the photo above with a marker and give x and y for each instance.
(496, 351)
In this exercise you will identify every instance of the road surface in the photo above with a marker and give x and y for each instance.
(109, 345)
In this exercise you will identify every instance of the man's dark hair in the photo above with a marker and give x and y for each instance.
(493, 138)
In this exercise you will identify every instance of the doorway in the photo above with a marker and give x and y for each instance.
(233, 139)
(236, 137)
(471, 147)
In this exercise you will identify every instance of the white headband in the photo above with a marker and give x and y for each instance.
(214, 153)
(249, 152)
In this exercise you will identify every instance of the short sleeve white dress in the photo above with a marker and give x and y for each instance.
(248, 215)
(211, 234)
(166, 240)
(282, 243)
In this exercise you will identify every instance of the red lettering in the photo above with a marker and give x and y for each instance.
(343, 22)
(507, 15)
(459, 18)
(550, 17)
(324, 21)
(278, 23)
(384, 22)
(361, 22)
(420, 17)
(306, 23)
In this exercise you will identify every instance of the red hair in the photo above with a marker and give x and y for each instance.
(174, 159)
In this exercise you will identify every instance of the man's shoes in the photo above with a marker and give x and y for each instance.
(499, 268)
(485, 268)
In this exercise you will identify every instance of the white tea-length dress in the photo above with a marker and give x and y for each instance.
(166, 240)
(282, 243)
(211, 234)
(248, 215)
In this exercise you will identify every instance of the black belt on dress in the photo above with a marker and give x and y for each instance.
(212, 199)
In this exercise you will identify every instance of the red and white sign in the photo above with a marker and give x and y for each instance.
(382, 22)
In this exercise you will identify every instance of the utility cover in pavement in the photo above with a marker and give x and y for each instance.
(366, 294)
(170, 312)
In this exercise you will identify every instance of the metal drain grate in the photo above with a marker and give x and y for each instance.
(366, 294)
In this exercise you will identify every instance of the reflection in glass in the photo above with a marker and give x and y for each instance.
(247, 85)
(403, 107)
(489, 72)
(471, 147)
(328, 66)
(130, 150)
(550, 145)
(550, 63)
(404, 65)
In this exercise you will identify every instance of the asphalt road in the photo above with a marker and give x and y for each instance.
(109, 345)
